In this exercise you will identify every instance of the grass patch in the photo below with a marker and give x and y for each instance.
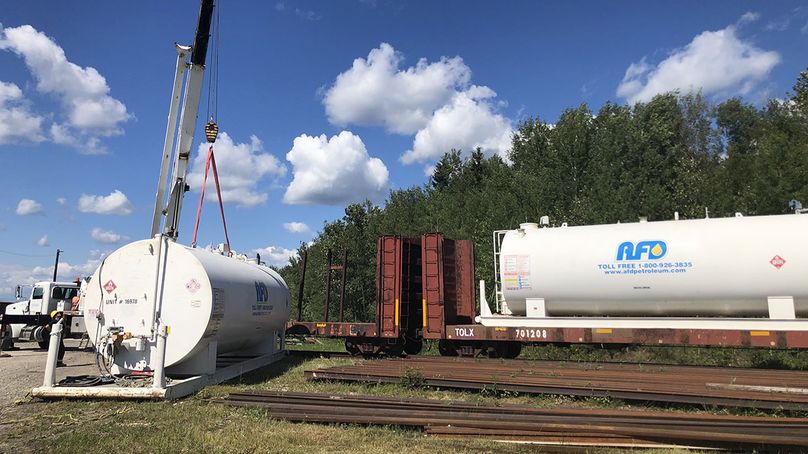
(195, 424)
(413, 378)
(323, 344)
(761, 358)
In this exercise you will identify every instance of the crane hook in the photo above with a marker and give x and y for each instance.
(211, 131)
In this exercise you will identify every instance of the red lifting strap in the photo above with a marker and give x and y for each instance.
(211, 160)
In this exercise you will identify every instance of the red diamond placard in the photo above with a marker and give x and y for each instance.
(193, 285)
(110, 286)
(777, 261)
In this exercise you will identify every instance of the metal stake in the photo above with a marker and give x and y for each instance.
(342, 286)
(328, 286)
(300, 290)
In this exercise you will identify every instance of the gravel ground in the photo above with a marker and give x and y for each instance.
(24, 368)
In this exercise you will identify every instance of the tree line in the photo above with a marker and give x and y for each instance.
(675, 153)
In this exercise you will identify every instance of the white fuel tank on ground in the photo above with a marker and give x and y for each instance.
(702, 267)
(210, 303)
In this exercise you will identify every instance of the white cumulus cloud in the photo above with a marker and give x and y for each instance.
(106, 236)
(26, 207)
(241, 166)
(17, 123)
(296, 227)
(114, 203)
(13, 275)
(715, 62)
(89, 112)
(467, 122)
(64, 135)
(747, 17)
(435, 101)
(43, 242)
(276, 256)
(334, 171)
(375, 92)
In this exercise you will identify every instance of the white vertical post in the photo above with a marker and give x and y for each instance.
(53, 354)
(159, 366)
(485, 309)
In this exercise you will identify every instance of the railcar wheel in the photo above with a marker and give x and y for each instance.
(413, 347)
(513, 350)
(351, 348)
(447, 348)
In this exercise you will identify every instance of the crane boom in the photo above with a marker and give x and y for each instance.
(187, 124)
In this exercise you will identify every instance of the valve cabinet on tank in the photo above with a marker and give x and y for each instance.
(724, 267)
(211, 304)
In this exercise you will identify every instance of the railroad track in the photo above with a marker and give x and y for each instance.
(558, 427)
(711, 386)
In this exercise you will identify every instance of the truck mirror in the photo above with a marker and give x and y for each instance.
(18, 292)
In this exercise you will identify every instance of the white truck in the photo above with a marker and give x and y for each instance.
(28, 320)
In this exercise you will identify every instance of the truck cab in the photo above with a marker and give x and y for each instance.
(26, 320)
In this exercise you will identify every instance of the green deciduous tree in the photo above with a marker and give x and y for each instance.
(675, 153)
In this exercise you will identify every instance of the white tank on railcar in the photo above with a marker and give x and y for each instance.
(701, 267)
(211, 304)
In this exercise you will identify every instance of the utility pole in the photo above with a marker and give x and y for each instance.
(56, 265)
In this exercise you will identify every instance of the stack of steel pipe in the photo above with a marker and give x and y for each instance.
(566, 427)
(732, 387)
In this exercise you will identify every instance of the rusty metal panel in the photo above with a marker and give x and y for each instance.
(465, 289)
(794, 339)
(331, 329)
(448, 283)
(410, 315)
(432, 275)
(636, 336)
(388, 284)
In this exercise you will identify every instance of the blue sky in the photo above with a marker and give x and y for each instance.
(325, 102)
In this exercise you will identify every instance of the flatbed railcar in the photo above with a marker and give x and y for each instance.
(426, 291)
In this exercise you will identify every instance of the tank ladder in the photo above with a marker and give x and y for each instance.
(499, 298)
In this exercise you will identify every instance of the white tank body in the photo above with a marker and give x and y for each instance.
(701, 267)
(207, 300)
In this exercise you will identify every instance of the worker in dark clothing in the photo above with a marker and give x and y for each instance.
(56, 316)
